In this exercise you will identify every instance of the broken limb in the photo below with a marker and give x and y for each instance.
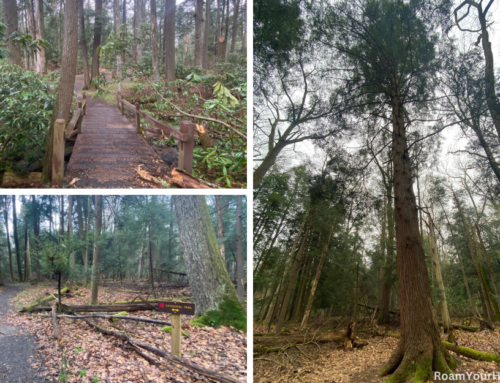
(473, 354)
(137, 319)
(200, 370)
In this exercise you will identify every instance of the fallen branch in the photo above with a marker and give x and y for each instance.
(137, 319)
(98, 308)
(200, 370)
(65, 290)
(473, 354)
(57, 330)
(460, 327)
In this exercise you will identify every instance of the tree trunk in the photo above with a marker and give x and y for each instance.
(205, 36)
(80, 221)
(6, 216)
(36, 233)
(220, 227)
(27, 256)
(66, 85)
(244, 38)
(11, 21)
(154, 40)
(97, 249)
(70, 231)
(117, 17)
(97, 41)
(208, 277)
(138, 21)
(198, 38)
(439, 278)
(292, 277)
(40, 34)
(268, 161)
(169, 40)
(239, 250)
(419, 350)
(87, 239)
(235, 24)
(307, 313)
(16, 239)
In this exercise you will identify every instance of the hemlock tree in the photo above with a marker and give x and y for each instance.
(10, 17)
(389, 50)
(169, 32)
(97, 249)
(66, 86)
(207, 274)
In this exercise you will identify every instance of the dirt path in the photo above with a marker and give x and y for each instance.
(108, 152)
(17, 349)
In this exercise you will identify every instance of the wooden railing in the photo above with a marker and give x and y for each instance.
(185, 135)
(62, 132)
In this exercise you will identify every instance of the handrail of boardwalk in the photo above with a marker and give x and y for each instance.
(62, 132)
(185, 135)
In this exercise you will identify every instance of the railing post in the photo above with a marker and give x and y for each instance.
(138, 117)
(186, 147)
(122, 107)
(85, 106)
(79, 123)
(58, 153)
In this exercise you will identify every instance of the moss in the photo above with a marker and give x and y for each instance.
(230, 313)
(473, 354)
(169, 330)
(113, 320)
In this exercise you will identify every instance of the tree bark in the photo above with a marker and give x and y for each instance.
(97, 41)
(36, 233)
(27, 255)
(66, 86)
(16, 239)
(204, 63)
(11, 21)
(239, 250)
(138, 22)
(420, 350)
(87, 239)
(154, 40)
(9, 247)
(220, 226)
(169, 40)
(198, 38)
(235, 24)
(208, 277)
(83, 47)
(292, 277)
(97, 249)
(40, 34)
(55, 326)
(117, 17)
(70, 231)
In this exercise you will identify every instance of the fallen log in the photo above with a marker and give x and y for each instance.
(375, 308)
(149, 301)
(136, 319)
(100, 308)
(460, 327)
(57, 330)
(135, 342)
(43, 300)
(473, 354)
(346, 337)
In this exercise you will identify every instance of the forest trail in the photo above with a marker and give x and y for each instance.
(108, 151)
(17, 349)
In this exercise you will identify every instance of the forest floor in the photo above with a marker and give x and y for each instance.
(328, 362)
(84, 355)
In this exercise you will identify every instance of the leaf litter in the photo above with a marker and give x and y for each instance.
(330, 363)
(84, 355)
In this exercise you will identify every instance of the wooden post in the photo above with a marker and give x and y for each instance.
(79, 123)
(121, 105)
(186, 147)
(58, 153)
(175, 342)
(85, 106)
(138, 117)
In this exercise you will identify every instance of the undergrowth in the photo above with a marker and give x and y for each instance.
(230, 313)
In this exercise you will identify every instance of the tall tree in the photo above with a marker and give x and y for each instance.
(16, 239)
(66, 85)
(87, 239)
(236, 4)
(240, 274)
(36, 233)
(139, 16)
(10, 17)
(154, 40)
(169, 40)
(220, 226)
(83, 47)
(97, 249)
(198, 30)
(9, 247)
(206, 32)
(208, 277)
(40, 34)
(97, 40)
(382, 68)
(72, 263)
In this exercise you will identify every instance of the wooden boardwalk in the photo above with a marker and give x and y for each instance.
(109, 151)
